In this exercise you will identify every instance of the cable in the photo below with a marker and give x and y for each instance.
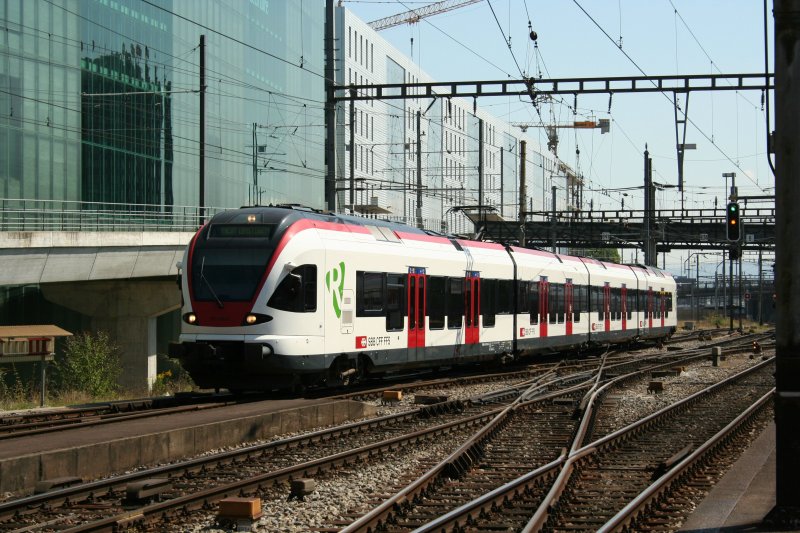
(221, 34)
(703, 133)
(472, 51)
(507, 41)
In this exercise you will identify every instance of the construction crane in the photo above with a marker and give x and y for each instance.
(415, 15)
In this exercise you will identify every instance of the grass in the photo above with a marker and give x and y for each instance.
(716, 321)
(18, 393)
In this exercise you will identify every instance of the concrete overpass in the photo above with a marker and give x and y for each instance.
(122, 280)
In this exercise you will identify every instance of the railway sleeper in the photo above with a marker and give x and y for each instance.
(46, 485)
(146, 490)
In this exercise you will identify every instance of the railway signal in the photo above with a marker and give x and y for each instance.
(733, 227)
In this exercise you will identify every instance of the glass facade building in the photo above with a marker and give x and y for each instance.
(100, 101)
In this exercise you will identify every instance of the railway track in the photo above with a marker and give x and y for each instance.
(157, 496)
(46, 421)
(39, 422)
(195, 484)
(601, 478)
(608, 485)
(486, 473)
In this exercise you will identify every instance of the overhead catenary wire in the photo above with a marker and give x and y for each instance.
(703, 133)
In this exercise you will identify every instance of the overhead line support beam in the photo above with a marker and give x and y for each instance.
(534, 87)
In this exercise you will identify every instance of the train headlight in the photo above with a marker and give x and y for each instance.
(255, 318)
(190, 318)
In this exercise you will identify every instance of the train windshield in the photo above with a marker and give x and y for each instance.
(229, 274)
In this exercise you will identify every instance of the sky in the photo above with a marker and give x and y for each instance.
(580, 38)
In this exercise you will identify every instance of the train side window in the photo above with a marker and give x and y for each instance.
(488, 301)
(597, 301)
(533, 301)
(455, 302)
(578, 301)
(631, 303)
(555, 302)
(641, 302)
(395, 301)
(616, 304)
(522, 297)
(436, 302)
(561, 307)
(297, 291)
(309, 288)
(657, 304)
(370, 288)
(505, 292)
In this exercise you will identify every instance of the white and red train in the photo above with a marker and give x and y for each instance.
(280, 297)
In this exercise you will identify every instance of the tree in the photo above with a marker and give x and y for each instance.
(610, 255)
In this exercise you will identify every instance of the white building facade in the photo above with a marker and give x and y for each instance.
(388, 148)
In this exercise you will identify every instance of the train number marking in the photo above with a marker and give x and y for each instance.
(363, 341)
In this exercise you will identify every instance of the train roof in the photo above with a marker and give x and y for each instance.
(289, 213)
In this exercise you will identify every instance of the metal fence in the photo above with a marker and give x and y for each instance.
(66, 215)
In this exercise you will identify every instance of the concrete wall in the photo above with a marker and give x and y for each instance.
(90, 457)
(127, 310)
(56, 256)
(122, 280)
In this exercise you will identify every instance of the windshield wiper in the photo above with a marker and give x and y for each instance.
(208, 284)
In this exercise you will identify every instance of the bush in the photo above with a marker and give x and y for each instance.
(171, 379)
(15, 395)
(90, 364)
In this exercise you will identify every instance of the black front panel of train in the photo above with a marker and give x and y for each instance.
(228, 267)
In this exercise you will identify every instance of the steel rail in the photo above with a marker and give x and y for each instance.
(205, 498)
(459, 461)
(53, 498)
(448, 467)
(539, 519)
(456, 519)
(657, 491)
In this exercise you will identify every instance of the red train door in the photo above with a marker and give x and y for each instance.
(663, 305)
(472, 308)
(568, 306)
(544, 297)
(607, 306)
(650, 307)
(624, 307)
(416, 311)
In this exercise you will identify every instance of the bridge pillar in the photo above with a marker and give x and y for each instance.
(127, 310)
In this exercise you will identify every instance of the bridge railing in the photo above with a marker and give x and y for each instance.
(706, 215)
(67, 215)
